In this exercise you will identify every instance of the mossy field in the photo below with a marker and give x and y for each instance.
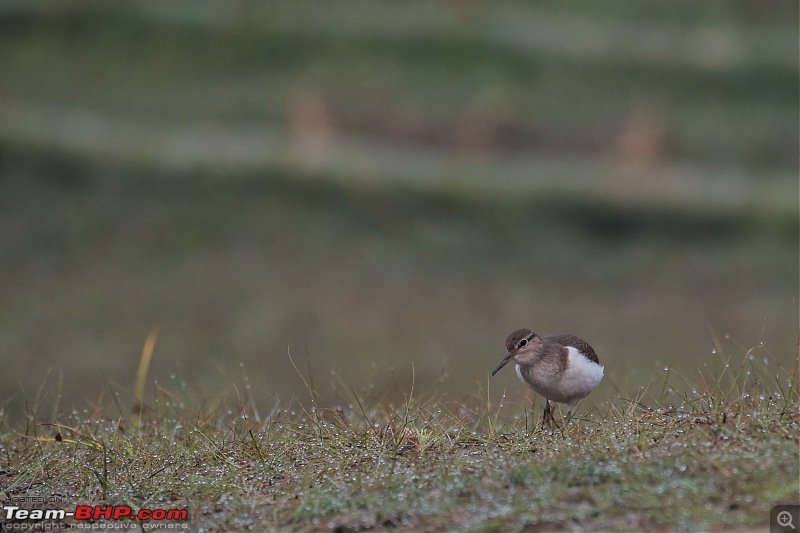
(717, 457)
(331, 214)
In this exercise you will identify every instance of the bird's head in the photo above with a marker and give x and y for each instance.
(523, 346)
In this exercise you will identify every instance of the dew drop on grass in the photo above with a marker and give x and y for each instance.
(713, 350)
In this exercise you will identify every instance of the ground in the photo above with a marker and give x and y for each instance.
(719, 458)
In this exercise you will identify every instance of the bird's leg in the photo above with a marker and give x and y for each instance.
(548, 420)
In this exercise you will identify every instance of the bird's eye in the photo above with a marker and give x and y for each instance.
(523, 342)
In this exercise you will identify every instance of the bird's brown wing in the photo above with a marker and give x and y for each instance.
(576, 342)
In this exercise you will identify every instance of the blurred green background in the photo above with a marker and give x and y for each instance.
(377, 185)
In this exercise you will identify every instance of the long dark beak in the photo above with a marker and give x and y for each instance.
(503, 363)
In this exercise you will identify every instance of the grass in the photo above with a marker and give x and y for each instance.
(717, 457)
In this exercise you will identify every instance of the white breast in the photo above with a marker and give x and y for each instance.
(579, 379)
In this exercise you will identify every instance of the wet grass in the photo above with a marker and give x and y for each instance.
(714, 454)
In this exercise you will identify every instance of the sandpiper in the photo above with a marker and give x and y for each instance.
(562, 368)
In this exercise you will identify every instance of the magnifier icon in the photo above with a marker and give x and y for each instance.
(785, 520)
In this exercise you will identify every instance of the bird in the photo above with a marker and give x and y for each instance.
(563, 368)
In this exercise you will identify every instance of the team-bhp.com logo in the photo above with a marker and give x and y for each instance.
(95, 512)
